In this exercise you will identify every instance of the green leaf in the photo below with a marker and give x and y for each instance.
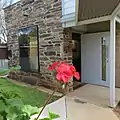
(13, 94)
(4, 72)
(22, 117)
(1, 117)
(30, 110)
(13, 112)
(9, 94)
(2, 97)
(14, 102)
(2, 106)
(53, 115)
(14, 68)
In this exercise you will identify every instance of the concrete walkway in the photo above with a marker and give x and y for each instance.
(79, 111)
(86, 111)
(94, 94)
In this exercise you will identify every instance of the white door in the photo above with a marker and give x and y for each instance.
(94, 58)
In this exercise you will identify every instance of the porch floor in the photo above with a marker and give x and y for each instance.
(94, 94)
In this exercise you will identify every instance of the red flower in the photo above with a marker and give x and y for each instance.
(63, 77)
(72, 68)
(77, 75)
(64, 68)
(64, 71)
(53, 66)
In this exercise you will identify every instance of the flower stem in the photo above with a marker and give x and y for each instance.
(48, 100)
(66, 107)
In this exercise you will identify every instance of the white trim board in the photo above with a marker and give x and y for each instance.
(94, 20)
(116, 11)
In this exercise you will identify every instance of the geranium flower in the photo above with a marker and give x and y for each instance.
(64, 68)
(63, 77)
(53, 66)
(75, 74)
(64, 71)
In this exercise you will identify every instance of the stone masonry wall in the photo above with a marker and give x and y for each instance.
(55, 42)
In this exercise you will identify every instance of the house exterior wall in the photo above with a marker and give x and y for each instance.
(3, 56)
(68, 7)
(68, 13)
(55, 42)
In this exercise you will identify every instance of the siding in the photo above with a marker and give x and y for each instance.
(68, 13)
(68, 7)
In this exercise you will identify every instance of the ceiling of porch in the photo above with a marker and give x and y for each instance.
(92, 28)
(88, 9)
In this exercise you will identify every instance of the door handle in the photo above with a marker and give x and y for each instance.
(106, 60)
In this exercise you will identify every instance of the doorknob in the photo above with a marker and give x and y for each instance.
(106, 60)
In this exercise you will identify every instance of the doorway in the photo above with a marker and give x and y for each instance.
(76, 41)
(95, 58)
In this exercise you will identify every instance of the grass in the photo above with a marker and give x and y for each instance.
(28, 95)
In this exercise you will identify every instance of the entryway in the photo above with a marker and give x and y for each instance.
(76, 41)
(95, 58)
(91, 58)
(100, 65)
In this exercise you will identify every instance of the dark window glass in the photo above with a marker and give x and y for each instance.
(28, 43)
(104, 48)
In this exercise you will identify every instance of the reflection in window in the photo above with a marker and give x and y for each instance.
(104, 60)
(28, 43)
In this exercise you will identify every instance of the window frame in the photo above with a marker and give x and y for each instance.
(38, 52)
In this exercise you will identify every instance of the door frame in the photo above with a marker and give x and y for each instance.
(107, 43)
(77, 38)
(101, 82)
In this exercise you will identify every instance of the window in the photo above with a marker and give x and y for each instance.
(104, 59)
(29, 51)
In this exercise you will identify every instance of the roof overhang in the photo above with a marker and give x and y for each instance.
(107, 17)
(94, 20)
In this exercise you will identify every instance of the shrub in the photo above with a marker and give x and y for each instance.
(12, 107)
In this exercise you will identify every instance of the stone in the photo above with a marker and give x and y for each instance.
(31, 80)
(54, 40)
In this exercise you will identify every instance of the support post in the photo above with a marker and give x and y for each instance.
(112, 61)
